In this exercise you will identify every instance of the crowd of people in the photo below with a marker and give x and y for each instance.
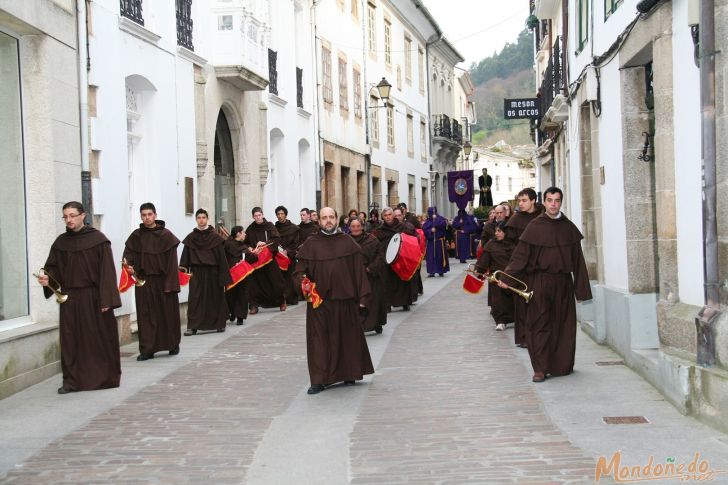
(352, 271)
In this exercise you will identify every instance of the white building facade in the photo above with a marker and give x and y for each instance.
(624, 141)
(396, 38)
(292, 165)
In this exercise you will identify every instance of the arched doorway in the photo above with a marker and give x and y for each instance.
(225, 213)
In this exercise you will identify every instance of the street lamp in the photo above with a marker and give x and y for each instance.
(467, 149)
(383, 89)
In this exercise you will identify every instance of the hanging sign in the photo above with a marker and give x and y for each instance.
(521, 108)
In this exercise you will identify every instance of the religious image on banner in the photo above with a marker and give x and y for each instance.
(460, 187)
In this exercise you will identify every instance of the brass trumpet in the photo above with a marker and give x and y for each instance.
(137, 280)
(60, 296)
(524, 293)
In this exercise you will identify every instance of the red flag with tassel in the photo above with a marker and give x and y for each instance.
(126, 280)
(308, 288)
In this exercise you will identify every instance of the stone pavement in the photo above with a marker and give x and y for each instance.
(451, 402)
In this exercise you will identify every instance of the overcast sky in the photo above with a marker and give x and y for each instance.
(477, 28)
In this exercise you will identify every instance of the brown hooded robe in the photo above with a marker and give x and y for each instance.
(83, 264)
(337, 348)
(373, 265)
(153, 254)
(204, 256)
(549, 252)
(267, 287)
(514, 228)
(496, 255)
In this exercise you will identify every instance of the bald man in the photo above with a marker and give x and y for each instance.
(337, 350)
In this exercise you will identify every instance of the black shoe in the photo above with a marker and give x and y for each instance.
(240, 321)
(349, 383)
(65, 390)
(220, 330)
(189, 332)
(174, 351)
(378, 329)
(232, 317)
(143, 356)
(316, 388)
(441, 274)
(431, 275)
(405, 308)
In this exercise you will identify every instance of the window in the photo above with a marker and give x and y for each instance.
(423, 139)
(610, 6)
(388, 42)
(497, 182)
(355, 9)
(272, 72)
(299, 87)
(225, 22)
(408, 59)
(582, 28)
(343, 85)
(390, 126)
(375, 121)
(421, 68)
(13, 256)
(410, 136)
(328, 92)
(372, 29)
(510, 184)
(357, 93)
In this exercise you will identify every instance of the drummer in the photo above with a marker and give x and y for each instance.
(237, 250)
(400, 213)
(396, 291)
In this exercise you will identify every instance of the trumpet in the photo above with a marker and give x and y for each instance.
(60, 296)
(495, 277)
(137, 280)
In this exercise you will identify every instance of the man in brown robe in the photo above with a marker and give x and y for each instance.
(308, 227)
(267, 286)
(414, 221)
(204, 256)
(235, 251)
(549, 252)
(80, 260)
(290, 239)
(373, 261)
(396, 291)
(150, 253)
(529, 209)
(336, 348)
(495, 257)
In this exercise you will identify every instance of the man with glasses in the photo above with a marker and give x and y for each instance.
(81, 262)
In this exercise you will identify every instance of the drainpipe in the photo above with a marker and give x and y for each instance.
(83, 67)
(708, 315)
(317, 107)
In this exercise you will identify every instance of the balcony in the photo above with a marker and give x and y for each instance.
(447, 140)
(132, 9)
(547, 9)
(184, 24)
(272, 72)
(240, 47)
(553, 90)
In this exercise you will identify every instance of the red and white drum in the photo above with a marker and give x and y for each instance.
(404, 255)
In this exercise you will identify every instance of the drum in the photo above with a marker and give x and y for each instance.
(183, 275)
(239, 272)
(404, 255)
(473, 284)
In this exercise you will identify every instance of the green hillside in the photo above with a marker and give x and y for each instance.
(507, 74)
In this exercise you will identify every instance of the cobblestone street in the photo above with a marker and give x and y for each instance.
(451, 402)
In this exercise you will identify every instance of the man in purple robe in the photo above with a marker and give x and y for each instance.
(435, 228)
(466, 227)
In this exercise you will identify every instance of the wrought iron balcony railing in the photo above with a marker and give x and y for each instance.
(272, 72)
(553, 77)
(132, 9)
(299, 87)
(184, 24)
(441, 126)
